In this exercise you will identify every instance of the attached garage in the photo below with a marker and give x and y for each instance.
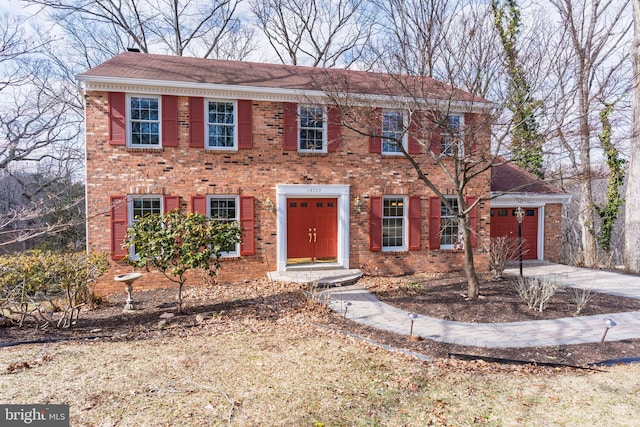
(513, 187)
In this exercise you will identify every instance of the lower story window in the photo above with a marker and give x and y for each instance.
(139, 207)
(225, 208)
(393, 224)
(449, 234)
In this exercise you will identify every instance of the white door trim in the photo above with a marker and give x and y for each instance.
(284, 191)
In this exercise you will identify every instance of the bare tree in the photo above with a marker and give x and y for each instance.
(632, 207)
(190, 27)
(39, 131)
(319, 33)
(590, 70)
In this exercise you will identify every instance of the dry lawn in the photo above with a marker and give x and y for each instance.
(303, 376)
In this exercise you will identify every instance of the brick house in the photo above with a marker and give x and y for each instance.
(261, 144)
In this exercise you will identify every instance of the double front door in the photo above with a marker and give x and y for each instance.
(312, 230)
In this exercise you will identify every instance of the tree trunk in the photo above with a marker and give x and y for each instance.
(473, 284)
(632, 207)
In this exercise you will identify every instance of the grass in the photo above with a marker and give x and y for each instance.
(283, 375)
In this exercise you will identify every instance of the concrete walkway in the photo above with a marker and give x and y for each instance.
(367, 309)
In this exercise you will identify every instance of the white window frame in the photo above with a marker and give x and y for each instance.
(324, 129)
(131, 217)
(405, 222)
(236, 251)
(449, 246)
(207, 124)
(397, 131)
(130, 121)
(447, 148)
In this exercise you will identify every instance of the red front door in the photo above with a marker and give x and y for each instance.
(312, 230)
(504, 223)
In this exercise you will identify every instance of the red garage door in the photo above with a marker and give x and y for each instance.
(504, 223)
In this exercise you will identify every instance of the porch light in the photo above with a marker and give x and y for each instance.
(357, 204)
(268, 205)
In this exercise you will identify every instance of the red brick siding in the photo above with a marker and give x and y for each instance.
(185, 171)
(553, 232)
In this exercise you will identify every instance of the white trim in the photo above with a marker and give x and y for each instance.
(324, 128)
(236, 253)
(212, 90)
(405, 137)
(528, 199)
(129, 120)
(206, 124)
(341, 192)
(130, 218)
(405, 224)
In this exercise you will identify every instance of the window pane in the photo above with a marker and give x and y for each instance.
(449, 223)
(311, 128)
(221, 124)
(392, 126)
(146, 206)
(145, 124)
(224, 209)
(393, 222)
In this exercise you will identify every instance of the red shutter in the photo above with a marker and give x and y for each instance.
(334, 128)
(118, 226)
(415, 128)
(290, 118)
(169, 121)
(247, 247)
(199, 204)
(375, 141)
(196, 122)
(375, 224)
(171, 203)
(245, 124)
(473, 220)
(414, 223)
(117, 123)
(434, 223)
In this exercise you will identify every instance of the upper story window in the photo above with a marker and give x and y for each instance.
(221, 125)
(450, 237)
(394, 223)
(225, 208)
(312, 129)
(393, 132)
(451, 137)
(144, 121)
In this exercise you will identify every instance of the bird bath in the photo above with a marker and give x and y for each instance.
(128, 280)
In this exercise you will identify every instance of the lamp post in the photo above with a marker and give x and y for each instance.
(520, 216)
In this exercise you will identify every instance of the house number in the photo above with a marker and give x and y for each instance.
(314, 190)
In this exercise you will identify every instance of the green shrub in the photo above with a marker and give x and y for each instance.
(48, 287)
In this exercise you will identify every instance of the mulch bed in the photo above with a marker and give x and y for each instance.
(225, 308)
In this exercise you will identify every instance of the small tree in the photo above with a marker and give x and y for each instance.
(174, 243)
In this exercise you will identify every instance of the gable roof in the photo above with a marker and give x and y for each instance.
(508, 177)
(137, 68)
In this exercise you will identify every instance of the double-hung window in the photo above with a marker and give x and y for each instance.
(226, 209)
(139, 207)
(393, 132)
(394, 220)
(450, 236)
(144, 121)
(221, 125)
(451, 136)
(312, 132)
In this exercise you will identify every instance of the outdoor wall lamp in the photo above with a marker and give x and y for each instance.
(268, 205)
(357, 204)
(520, 216)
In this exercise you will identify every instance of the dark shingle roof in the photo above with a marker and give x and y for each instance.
(165, 68)
(507, 177)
